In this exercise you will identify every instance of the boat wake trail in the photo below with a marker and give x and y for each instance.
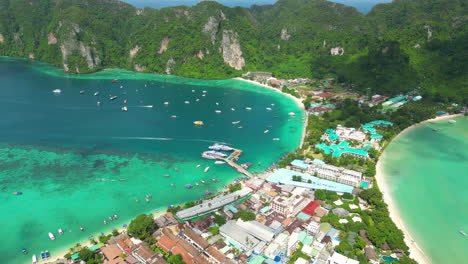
(143, 138)
(206, 140)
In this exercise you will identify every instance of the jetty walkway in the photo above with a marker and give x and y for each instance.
(231, 160)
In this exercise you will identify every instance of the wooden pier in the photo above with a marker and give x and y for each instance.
(231, 160)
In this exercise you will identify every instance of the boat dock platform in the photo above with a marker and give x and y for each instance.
(231, 160)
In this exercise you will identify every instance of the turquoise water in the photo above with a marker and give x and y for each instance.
(67, 155)
(427, 174)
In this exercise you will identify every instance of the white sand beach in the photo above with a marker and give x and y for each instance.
(415, 251)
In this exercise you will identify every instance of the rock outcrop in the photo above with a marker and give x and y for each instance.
(337, 51)
(139, 68)
(2, 39)
(164, 45)
(232, 53)
(134, 51)
(51, 39)
(284, 34)
(170, 65)
(429, 31)
(31, 56)
(211, 28)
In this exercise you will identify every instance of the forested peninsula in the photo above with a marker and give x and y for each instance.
(395, 48)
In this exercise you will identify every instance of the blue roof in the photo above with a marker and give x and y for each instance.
(232, 208)
(284, 176)
(319, 161)
(300, 163)
(376, 136)
(264, 209)
(332, 232)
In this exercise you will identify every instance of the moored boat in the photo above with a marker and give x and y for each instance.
(24, 251)
(51, 236)
(34, 259)
(17, 193)
(219, 162)
(291, 114)
(60, 231)
(266, 131)
(220, 147)
(208, 192)
(207, 169)
(82, 92)
(105, 222)
(217, 111)
(124, 108)
(235, 122)
(462, 233)
(202, 181)
(198, 123)
(57, 91)
(248, 108)
(115, 80)
(268, 108)
(166, 176)
(215, 180)
(276, 139)
(96, 93)
(81, 228)
(188, 186)
(113, 97)
(451, 121)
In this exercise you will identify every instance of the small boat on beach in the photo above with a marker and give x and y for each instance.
(60, 231)
(57, 91)
(207, 169)
(51, 236)
(218, 162)
(17, 193)
(462, 233)
(34, 259)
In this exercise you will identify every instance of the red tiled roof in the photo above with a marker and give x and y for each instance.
(111, 251)
(310, 208)
(178, 249)
(165, 243)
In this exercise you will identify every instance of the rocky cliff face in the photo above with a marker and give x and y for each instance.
(164, 45)
(211, 28)
(2, 39)
(232, 53)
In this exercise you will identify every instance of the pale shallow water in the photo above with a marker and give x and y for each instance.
(67, 155)
(427, 173)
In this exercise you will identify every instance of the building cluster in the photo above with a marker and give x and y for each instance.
(267, 78)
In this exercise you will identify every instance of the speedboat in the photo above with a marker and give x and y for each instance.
(60, 231)
(82, 92)
(166, 103)
(124, 108)
(57, 91)
(81, 228)
(207, 169)
(187, 102)
(268, 108)
(217, 111)
(248, 108)
(202, 181)
(198, 123)
(232, 109)
(24, 251)
(266, 131)
(96, 93)
(105, 222)
(166, 175)
(276, 139)
(51, 236)
(34, 259)
(203, 95)
(113, 97)
(236, 122)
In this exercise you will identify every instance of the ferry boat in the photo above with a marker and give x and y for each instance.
(60, 231)
(124, 108)
(207, 169)
(198, 123)
(17, 193)
(219, 162)
(211, 154)
(24, 251)
(34, 259)
(188, 186)
(96, 93)
(51, 236)
(215, 180)
(220, 147)
(57, 91)
(462, 233)
(113, 97)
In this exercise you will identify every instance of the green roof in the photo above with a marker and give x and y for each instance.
(302, 236)
(325, 227)
(308, 240)
(257, 260)
(376, 136)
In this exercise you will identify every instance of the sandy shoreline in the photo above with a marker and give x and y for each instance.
(297, 100)
(415, 251)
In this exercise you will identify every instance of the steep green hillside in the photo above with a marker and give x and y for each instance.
(395, 48)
